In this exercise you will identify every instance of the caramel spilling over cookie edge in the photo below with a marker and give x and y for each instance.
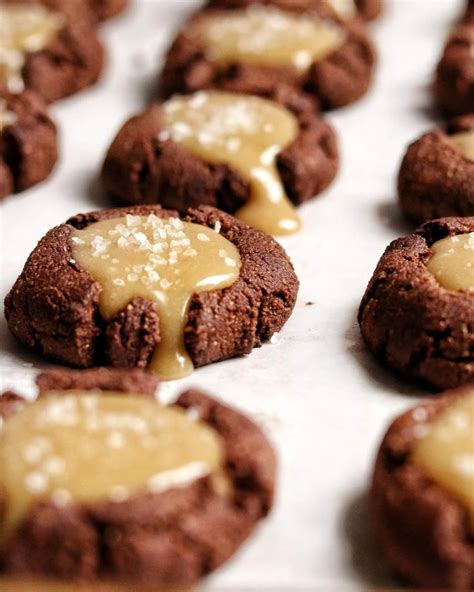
(464, 141)
(45, 445)
(452, 262)
(24, 29)
(162, 260)
(269, 36)
(246, 133)
(445, 451)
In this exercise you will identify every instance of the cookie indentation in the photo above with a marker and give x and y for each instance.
(270, 36)
(452, 263)
(85, 448)
(162, 260)
(24, 29)
(446, 453)
(246, 133)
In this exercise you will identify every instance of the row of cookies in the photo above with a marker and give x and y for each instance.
(49, 50)
(101, 290)
(395, 462)
(436, 177)
(327, 61)
(417, 318)
(238, 151)
(235, 150)
(237, 126)
(198, 493)
(416, 315)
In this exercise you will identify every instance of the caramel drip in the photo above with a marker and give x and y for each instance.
(268, 36)
(465, 142)
(24, 29)
(446, 452)
(164, 261)
(85, 448)
(345, 9)
(452, 262)
(246, 133)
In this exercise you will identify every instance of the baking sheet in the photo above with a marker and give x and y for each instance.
(322, 399)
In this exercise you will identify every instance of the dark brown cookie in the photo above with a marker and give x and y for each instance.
(424, 531)
(337, 80)
(410, 322)
(436, 178)
(125, 381)
(454, 82)
(107, 9)
(174, 537)
(72, 60)
(142, 168)
(469, 14)
(369, 9)
(366, 9)
(28, 142)
(53, 307)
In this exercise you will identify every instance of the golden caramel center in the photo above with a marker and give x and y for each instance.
(246, 133)
(24, 29)
(162, 260)
(446, 453)
(268, 36)
(465, 142)
(86, 448)
(452, 262)
(345, 9)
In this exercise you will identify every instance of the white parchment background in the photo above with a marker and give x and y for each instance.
(323, 400)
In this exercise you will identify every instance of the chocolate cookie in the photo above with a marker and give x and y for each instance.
(107, 9)
(56, 308)
(345, 9)
(49, 46)
(417, 315)
(469, 14)
(422, 515)
(281, 45)
(154, 158)
(28, 142)
(437, 174)
(170, 519)
(454, 82)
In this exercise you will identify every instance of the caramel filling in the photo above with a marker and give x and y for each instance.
(452, 262)
(24, 29)
(164, 261)
(446, 453)
(268, 36)
(247, 133)
(465, 142)
(86, 448)
(345, 9)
